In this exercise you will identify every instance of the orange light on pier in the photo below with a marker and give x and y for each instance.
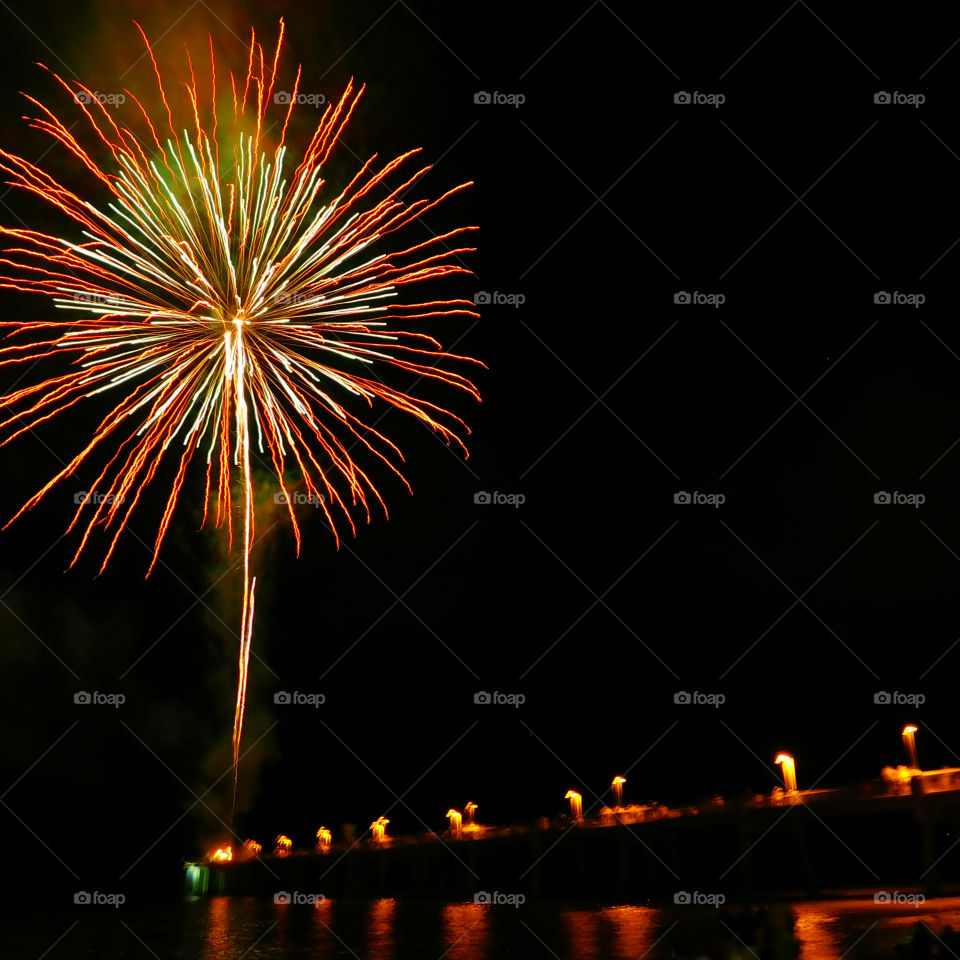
(456, 820)
(789, 768)
(283, 845)
(379, 829)
(910, 744)
(252, 847)
(617, 785)
(468, 815)
(576, 804)
(323, 840)
(222, 853)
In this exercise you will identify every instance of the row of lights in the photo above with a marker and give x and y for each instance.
(785, 761)
(458, 821)
(788, 765)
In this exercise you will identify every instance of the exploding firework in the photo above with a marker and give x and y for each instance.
(232, 309)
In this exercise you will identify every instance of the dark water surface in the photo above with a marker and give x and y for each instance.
(255, 929)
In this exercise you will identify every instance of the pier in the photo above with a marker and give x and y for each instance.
(882, 834)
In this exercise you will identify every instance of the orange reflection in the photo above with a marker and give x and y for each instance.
(581, 926)
(218, 940)
(634, 931)
(466, 929)
(816, 930)
(324, 943)
(380, 945)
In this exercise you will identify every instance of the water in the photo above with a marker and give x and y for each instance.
(231, 928)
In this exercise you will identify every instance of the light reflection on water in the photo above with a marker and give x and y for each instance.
(218, 928)
(223, 928)
(817, 930)
(634, 931)
(854, 928)
(380, 930)
(466, 931)
(581, 931)
(391, 930)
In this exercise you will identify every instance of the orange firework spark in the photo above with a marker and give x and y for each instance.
(227, 306)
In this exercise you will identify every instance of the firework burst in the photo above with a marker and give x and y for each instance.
(230, 307)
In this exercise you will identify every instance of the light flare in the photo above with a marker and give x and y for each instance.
(324, 837)
(788, 765)
(456, 823)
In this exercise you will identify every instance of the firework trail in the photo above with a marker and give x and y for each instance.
(227, 309)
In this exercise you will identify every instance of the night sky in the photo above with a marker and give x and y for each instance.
(797, 399)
